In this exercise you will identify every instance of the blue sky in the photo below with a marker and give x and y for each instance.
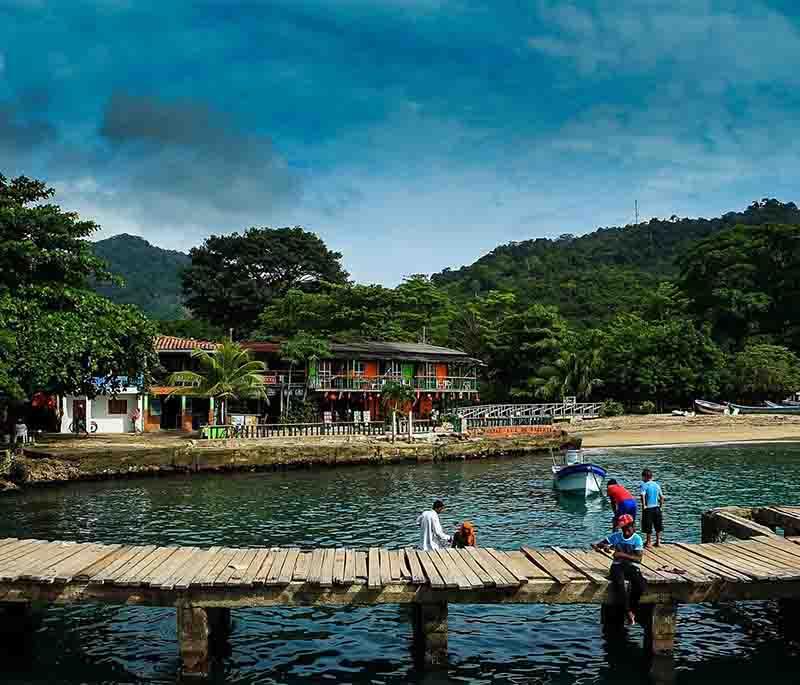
(411, 135)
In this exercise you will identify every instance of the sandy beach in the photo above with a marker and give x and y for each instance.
(657, 429)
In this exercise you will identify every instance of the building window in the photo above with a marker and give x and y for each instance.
(394, 369)
(358, 368)
(117, 406)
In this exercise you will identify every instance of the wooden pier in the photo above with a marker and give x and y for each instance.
(205, 584)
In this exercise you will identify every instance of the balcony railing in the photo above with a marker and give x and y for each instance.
(376, 383)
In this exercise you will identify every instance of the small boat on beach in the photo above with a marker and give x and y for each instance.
(572, 474)
(771, 408)
(705, 407)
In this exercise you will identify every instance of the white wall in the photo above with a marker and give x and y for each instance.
(97, 410)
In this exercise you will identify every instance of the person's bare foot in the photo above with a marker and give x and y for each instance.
(631, 619)
(648, 545)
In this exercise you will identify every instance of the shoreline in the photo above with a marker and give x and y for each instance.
(61, 461)
(659, 430)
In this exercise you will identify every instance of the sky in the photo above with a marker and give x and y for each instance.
(411, 135)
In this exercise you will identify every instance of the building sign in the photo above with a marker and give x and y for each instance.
(270, 379)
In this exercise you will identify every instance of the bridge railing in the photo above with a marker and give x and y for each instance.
(281, 430)
(553, 409)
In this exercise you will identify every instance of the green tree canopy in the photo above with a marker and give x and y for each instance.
(763, 372)
(60, 337)
(232, 278)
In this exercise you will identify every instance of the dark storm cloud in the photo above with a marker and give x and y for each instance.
(184, 157)
(20, 132)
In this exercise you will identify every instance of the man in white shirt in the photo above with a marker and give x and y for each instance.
(431, 535)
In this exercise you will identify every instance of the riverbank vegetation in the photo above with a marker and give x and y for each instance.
(650, 316)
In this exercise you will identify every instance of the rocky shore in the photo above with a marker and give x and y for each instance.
(60, 460)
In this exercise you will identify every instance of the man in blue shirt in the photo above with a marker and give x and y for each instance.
(628, 549)
(652, 501)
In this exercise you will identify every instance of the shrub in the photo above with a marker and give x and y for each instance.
(647, 407)
(612, 408)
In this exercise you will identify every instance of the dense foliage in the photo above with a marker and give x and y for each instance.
(58, 335)
(150, 276)
(232, 278)
(651, 315)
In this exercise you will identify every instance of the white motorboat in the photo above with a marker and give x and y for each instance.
(574, 475)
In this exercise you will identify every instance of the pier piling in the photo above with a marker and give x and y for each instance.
(429, 622)
(202, 634)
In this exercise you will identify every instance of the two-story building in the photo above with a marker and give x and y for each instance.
(345, 387)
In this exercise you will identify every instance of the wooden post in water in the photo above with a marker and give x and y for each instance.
(201, 633)
(659, 621)
(429, 621)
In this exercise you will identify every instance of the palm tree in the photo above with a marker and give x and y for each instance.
(572, 373)
(395, 396)
(298, 350)
(228, 372)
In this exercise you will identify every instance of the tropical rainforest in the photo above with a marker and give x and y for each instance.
(648, 315)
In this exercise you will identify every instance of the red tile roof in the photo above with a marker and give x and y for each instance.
(170, 343)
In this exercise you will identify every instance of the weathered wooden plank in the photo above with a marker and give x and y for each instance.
(701, 552)
(216, 565)
(483, 575)
(526, 566)
(449, 578)
(349, 575)
(721, 571)
(37, 566)
(405, 569)
(453, 571)
(580, 566)
(287, 572)
(134, 572)
(116, 568)
(431, 573)
(64, 571)
(7, 541)
(361, 565)
(767, 568)
(302, 567)
(500, 576)
(784, 544)
(394, 565)
(12, 567)
(249, 577)
(508, 565)
(182, 580)
(471, 579)
(17, 549)
(326, 577)
(277, 565)
(315, 569)
(240, 568)
(760, 551)
(373, 568)
(665, 565)
(87, 572)
(555, 571)
(161, 575)
(339, 558)
(417, 574)
(385, 569)
(22, 553)
(145, 573)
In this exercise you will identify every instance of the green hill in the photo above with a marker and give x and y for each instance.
(151, 275)
(593, 276)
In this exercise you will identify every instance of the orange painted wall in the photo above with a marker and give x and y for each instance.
(441, 372)
(371, 369)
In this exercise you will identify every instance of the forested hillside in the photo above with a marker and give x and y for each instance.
(151, 275)
(594, 276)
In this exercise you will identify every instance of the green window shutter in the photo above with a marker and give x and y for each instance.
(408, 371)
(312, 368)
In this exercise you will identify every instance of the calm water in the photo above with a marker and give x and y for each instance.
(511, 502)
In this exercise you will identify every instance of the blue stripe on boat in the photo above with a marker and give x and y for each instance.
(581, 468)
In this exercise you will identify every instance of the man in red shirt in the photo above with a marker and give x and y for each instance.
(622, 502)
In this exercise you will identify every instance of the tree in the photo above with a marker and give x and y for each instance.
(574, 372)
(226, 373)
(398, 397)
(762, 372)
(60, 337)
(233, 278)
(298, 351)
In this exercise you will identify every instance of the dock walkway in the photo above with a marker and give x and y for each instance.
(203, 584)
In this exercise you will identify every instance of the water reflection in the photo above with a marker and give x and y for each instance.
(512, 503)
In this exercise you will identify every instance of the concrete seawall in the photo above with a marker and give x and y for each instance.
(98, 459)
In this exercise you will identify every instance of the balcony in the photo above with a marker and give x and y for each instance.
(325, 383)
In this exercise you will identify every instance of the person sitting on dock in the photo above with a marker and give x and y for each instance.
(431, 534)
(622, 502)
(628, 549)
(652, 502)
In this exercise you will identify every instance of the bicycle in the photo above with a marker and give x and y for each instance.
(78, 426)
